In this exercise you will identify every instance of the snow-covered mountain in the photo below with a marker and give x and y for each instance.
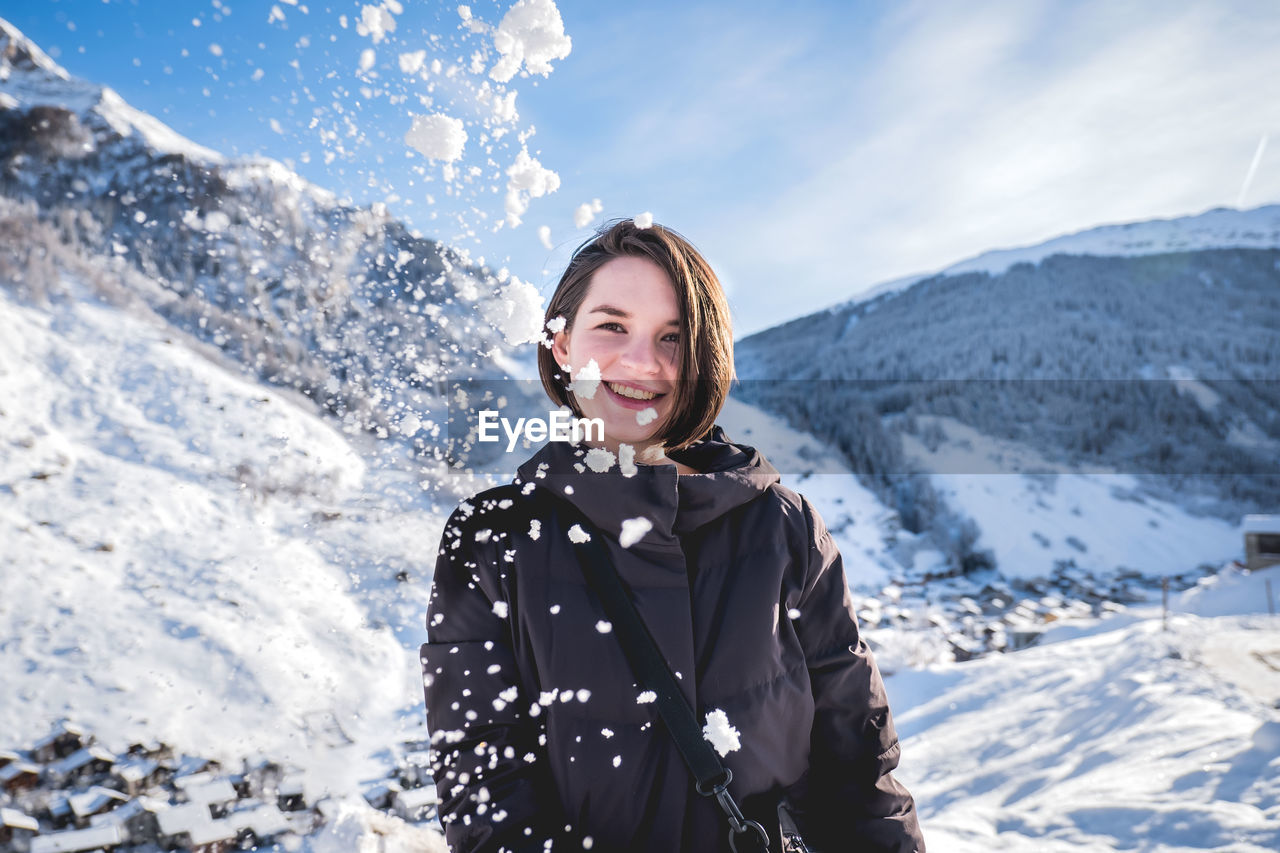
(342, 303)
(1146, 352)
(1220, 228)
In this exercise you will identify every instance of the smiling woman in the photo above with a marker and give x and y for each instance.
(645, 315)
(543, 733)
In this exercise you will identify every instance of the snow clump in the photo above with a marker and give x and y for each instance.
(604, 626)
(577, 535)
(500, 609)
(544, 237)
(215, 222)
(627, 460)
(724, 737)
(599, 459)
(532, 34)
(527, 179)
(587, 381)
(644, 220)
(646, 697)
(516, 313)
(633, 530)
(411, 63)
(437, 136)
(644, 417)
(376, 21)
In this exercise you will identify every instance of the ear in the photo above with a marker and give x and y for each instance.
(560, 349)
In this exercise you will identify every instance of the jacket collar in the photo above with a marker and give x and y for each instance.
(731, 475)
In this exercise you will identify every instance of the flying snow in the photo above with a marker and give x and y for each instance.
(587, 380)
(437, 136)
(644, 220)
(599, 459)
(577, 535)
(527, 179)
(633, 530)
(627, 460)
(532, 34)
(724, 737)
(516, 312)
(376, 21)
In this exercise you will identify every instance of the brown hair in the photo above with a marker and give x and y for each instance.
(706, 336)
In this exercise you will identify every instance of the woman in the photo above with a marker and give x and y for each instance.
(542, 737)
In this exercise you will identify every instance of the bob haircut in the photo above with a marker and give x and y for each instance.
(706, 334)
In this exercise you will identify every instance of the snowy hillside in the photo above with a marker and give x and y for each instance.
(1118, 737)
(195, 557)
(342, 303)
(205, 561)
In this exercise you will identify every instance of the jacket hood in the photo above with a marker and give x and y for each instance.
(731, 475)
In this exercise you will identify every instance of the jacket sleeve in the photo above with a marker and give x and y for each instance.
(849, 799)
(488, 757)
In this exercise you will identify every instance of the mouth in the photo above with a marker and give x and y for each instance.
(630, 397)
(631, 392)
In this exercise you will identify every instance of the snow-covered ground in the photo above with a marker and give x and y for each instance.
(194, 557)
(1033, 513)
(1121, 736)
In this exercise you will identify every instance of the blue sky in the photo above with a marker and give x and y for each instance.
(812, 150)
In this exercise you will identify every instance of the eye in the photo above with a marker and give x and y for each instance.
(618, 326)
(674, 336)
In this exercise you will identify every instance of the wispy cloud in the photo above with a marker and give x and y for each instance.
(1010, 123)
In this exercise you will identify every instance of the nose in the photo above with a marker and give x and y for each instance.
(641, 355)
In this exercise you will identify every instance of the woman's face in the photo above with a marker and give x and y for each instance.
(630, 324)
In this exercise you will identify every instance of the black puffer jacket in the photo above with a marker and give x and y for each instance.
(536, 727)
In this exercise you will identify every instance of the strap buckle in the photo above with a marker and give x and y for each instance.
(738, 824)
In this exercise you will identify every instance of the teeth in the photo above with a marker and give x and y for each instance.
(633, 393)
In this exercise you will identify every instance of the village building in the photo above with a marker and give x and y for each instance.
(382, 793)
(152, 749)
(216, 793)
(82, 765)
(416, 804)
(291, 794)
(105, 838)
(94, 801)
(217, 836)
(56, 810)
(138, 774)
(189, 765)
(1261, 541)
(16, 830)
(66, 738)
(415, 769)
(7, 756)
(175, 823)
(136, 819)
(260, 826)
(19, 776)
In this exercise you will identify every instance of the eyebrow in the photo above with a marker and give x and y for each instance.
(613, 311)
